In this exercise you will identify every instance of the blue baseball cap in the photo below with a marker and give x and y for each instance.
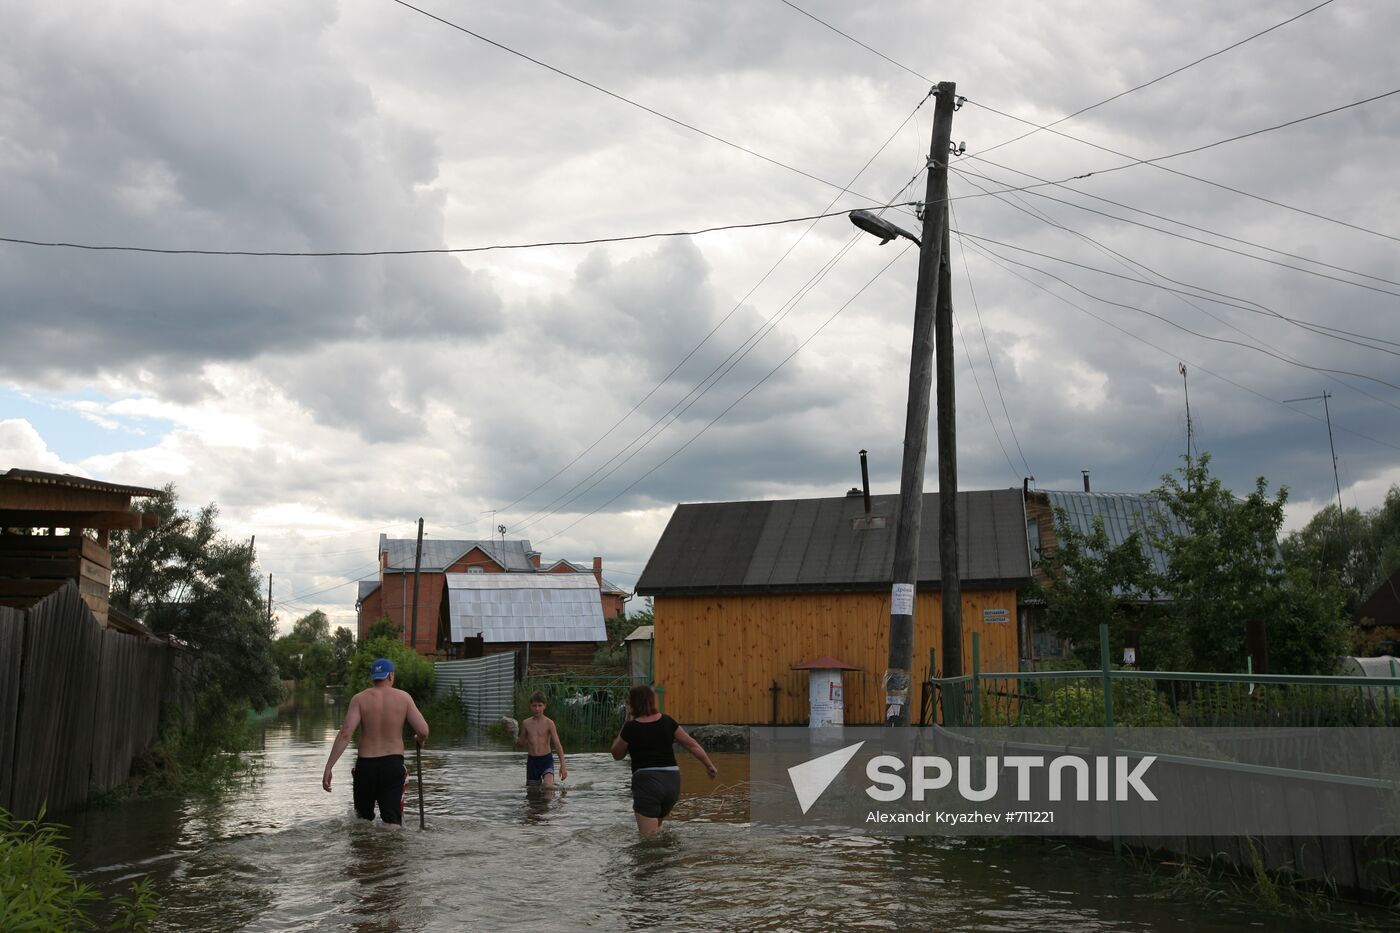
(381, 669)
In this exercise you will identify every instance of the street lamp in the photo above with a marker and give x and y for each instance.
(880, 227)
(933, 315)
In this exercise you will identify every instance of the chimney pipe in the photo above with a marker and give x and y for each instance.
(865, 481)
(1086, 479)
(1025, 486)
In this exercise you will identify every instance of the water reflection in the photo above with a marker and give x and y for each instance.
(539, 799)
(277, 853)
(377, 869)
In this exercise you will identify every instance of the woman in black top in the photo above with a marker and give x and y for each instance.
(648, 736)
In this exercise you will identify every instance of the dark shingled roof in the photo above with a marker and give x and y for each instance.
(811, 545)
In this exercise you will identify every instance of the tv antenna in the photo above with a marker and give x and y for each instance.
(1330, 445)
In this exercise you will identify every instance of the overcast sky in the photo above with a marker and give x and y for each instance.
(562, 391)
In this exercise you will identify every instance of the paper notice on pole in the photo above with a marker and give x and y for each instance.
(902, 599)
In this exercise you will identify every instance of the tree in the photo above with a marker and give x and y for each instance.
(287, 652)
(186, 581)
(384, 627)
(412, 672)
(1227, 568)
(312, 627)
(343, 645)
(1091, 583)
(317, 661)
(614, 650)
(1361, 550)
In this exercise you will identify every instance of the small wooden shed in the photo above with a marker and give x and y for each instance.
(744, 590)
(639, 647)
(54, 528)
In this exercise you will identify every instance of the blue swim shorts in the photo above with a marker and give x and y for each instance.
(537, 766)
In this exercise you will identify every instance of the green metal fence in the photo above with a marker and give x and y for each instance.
(587, 710)
(1108, 697)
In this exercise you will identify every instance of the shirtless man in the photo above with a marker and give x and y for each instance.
(539, 736)
(379, 774)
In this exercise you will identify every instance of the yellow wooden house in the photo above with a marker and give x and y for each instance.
(742, 591)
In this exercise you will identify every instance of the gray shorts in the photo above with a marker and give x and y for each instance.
(654, 793)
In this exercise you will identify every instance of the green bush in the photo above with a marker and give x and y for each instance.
(1081, 703)
(412, 672)
(445, 714)
(38, 891)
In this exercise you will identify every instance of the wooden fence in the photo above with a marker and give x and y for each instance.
(77, 703)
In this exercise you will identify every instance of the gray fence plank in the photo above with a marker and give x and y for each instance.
(12, 622)
(79, 706)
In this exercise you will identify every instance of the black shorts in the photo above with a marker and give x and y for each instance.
(380, 780)
(654, 793)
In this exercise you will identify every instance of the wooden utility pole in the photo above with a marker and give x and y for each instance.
(417, 565)
(269, 598)
(932, 246)
(950, 573)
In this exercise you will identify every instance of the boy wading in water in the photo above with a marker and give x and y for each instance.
(379, 775)
(537, 734)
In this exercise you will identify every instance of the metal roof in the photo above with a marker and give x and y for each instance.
(75, 482)
(1122, 514)
(439, 554)
(538, 607)
(607, 586)
(366, 588)
(813, 545)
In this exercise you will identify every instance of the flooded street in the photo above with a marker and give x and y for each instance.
(278, 853)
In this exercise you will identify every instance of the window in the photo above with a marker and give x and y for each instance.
(1033, 538)
(476, 568)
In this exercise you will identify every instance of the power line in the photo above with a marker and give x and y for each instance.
(1237, 138)
(737, 305)
(1215, 297)
(981, 395)
(726, 411)
(982, 326)
(1182, 223)
(1162, 77)
(1155, 163)
(1163, 319)
(615, 96)
(1132, 264)
(992, 257)
(313, 254)
(678, 409)
(356, 577)
(823, 22)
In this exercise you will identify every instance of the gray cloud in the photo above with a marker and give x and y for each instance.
(387, 388)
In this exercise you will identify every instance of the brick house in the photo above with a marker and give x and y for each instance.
(614, 597)
(391, 595)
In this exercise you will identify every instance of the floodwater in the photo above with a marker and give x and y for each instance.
(276, 852)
